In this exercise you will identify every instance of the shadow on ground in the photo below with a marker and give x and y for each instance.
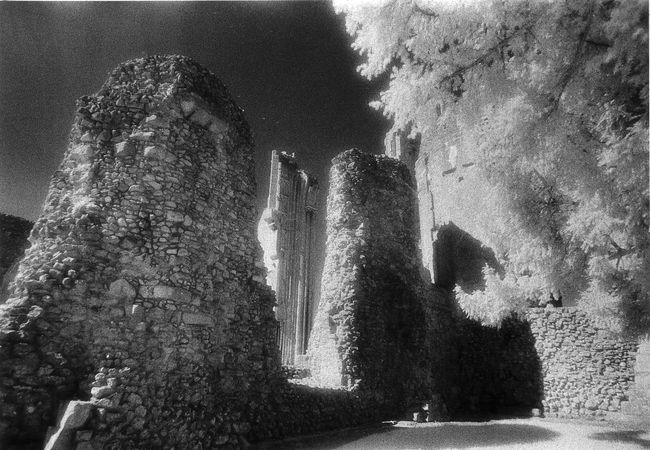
(622, 436)
(444, 435)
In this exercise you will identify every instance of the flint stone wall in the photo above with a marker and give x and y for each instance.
(554, 359)
(143, 288)
(377, 327)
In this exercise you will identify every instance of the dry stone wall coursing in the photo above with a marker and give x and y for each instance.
(143, 288)
(639, 394)
(586, 371)
(14, 232)
(142, 295)
(371, 331)
(554, 359)
(498, 368)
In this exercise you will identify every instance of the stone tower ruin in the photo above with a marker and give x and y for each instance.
(141, 318)
(378, 327)
(286, 231)
(143, 289)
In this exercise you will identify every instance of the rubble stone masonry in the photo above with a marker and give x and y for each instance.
(553, 359)
(13, 241)
(143, 289)
(140, 316)
(375, 328)
(586, 370)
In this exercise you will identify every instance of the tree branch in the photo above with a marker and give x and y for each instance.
(598, 44)
(424, 12)
(570, 70)
(481, 59)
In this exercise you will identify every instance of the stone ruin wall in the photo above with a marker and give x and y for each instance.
(287, 234)
(142, 294)
(553, 359)
(639, 394)
(14, 232)
(378, 327)
(586, 371)
(539, 362)
(143, 288)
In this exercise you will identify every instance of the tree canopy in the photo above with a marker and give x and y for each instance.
(550, 98)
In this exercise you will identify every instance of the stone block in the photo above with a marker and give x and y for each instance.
(142, 135)
(201, 117)
(124, 149)
(188, 107)
(217, 126)
(102, 391)
(162, 291)
(76, 414)
(155, 152)
(156, 121)
(122, 289)
(82, 153)
(197, 319)
(174, 216)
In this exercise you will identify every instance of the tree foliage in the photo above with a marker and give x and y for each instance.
(550, 99)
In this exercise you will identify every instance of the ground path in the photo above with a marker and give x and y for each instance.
(495, 434)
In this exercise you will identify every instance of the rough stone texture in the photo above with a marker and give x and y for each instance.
(371, 331)
(639, 395)
(143, 289)
(586, 371)
(14, 232)
(143, 292)
(75, 415)
(501, 368)
(286, 232)
(555, 359)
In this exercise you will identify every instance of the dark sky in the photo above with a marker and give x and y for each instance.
(288, 65)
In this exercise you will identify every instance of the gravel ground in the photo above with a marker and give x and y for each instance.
(495, 434)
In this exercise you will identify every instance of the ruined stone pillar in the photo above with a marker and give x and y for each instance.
(370, 331)
(143, 288)
(286, 231)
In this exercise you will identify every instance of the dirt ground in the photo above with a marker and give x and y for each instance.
(530, 433)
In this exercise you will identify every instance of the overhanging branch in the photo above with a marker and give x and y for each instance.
(483, 58)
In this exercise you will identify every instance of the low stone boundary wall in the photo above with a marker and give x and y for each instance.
(552, 358)
(586, 371)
